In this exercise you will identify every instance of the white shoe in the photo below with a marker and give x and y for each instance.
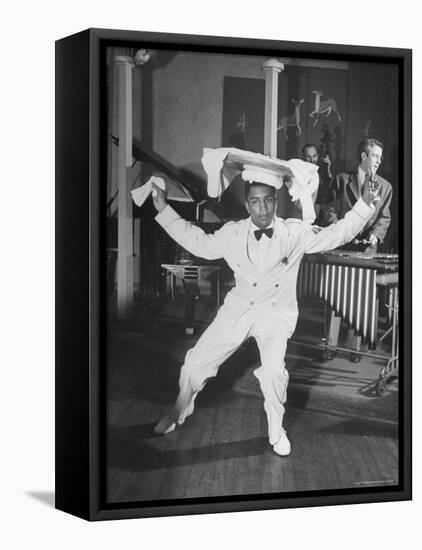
(169, 422)
(165, 426)
(282, 447)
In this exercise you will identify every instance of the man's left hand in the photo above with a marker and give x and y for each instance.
(373, 240)
(159, 197)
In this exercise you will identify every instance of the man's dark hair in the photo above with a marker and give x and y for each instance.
(257, 183)
(365, 145)
(308, 145)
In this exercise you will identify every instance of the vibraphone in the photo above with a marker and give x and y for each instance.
(349, 283)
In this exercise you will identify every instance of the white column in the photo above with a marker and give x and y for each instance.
(271, 67)
(137, 255)
(124, 66)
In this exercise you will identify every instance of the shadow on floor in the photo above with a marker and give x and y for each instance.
(134, 450)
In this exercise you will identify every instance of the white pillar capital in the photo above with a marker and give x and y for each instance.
(273, 64)
(124, 60)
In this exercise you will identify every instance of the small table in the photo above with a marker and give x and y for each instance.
(191, 274)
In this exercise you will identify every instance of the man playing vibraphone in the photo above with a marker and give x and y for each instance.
(348, 188)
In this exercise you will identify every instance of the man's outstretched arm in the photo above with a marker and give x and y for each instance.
(189, 236)
(345, 229)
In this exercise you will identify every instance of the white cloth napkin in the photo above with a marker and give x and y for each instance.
(219, 176)
(303, 176)
(140, 194)
(304, 183)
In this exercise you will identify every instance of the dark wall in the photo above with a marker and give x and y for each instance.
(374, 100)
(363, 98)
(198, 100)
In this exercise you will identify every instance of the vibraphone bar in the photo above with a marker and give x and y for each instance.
(347, 282)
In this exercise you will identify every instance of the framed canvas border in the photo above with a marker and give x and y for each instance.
(80, 248)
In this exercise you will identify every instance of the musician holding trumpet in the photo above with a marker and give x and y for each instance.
(348, 189)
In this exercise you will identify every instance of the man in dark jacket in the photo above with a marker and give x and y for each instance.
(348, 186)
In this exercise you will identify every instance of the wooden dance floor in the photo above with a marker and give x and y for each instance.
(222, 449)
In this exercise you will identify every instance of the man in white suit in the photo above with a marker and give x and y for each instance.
(264, 252)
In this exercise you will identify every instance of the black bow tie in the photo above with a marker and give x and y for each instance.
(260, 232)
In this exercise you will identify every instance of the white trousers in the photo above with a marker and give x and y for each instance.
(221, 339)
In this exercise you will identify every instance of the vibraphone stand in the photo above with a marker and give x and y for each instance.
(391, 370)
(350, 285)
(353, 341)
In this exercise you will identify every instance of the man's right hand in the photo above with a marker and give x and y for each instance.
(159, 197)
(370, 190)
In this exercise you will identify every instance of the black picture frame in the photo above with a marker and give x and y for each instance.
(80, 250)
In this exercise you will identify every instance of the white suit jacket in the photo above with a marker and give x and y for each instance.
(269, 294)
